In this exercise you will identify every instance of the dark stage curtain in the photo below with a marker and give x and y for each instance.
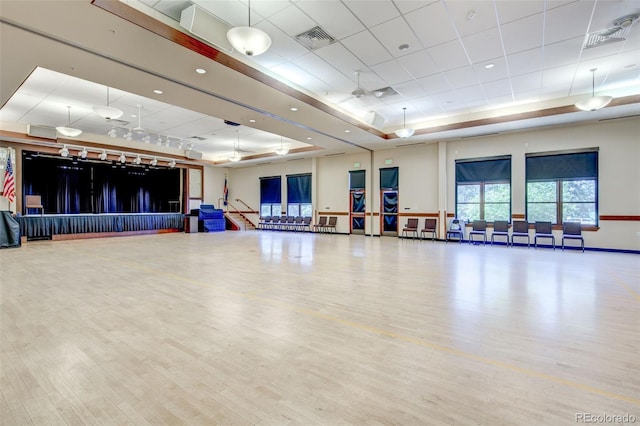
(73, 186)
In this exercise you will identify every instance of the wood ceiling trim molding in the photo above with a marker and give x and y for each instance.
(566, 109)
(161, 29)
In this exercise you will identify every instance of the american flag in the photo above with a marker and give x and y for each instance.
(9, 186)
(225, 192)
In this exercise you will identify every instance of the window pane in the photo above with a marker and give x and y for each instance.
(469, 211)
(496, 211)
(265, 210)
(306, 210)
(579, 212)
(293, 210)
(579, 190)
(468, 193)
(276, 209)
(543, 212)
(497, 193)
(541, 192)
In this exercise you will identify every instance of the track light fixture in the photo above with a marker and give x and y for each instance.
(83, 154)
(137, 160)
(103, 155)
(172, 163)
(122, 158)
(154, 161)
(64, 151)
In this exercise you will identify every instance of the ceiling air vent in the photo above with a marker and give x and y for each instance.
(618, 31)
(315, 38)
(384, 92)
(230, 123)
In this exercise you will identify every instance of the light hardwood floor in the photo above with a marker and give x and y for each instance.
(273, 328)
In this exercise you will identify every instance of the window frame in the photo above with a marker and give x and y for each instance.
(560, 201)
(482, 184)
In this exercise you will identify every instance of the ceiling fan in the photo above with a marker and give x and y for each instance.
(359, 92)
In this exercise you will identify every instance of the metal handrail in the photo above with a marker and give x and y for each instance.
(234, 209)
(247, 206)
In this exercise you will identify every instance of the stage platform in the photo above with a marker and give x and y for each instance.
(49, 226)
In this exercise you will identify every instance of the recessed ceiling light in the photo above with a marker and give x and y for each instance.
(489, 66)
(404, 46)
(347, 131)
(252, 121)
(158, 92)
(293, 109)
(201, 71)
(309, 138)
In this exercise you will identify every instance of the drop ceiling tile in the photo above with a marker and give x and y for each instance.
(299, 77)
(391, 72)
(556, 24)
(525, 62)
(484, 15)
(418, 64)
(483, 45)
(292, 21)
(432, 25)
(333, 16)
(343, 60)
(282, 45)
(523, 34)
(562, 53)
(366, 48)
(394, 33)
(558, 79)
(497, 89)
(374, 12)
(332, 78)
(526, 83)
(448, 56)
(434, 84)
(407, 6)
(509, 10)
(498, 72)
(461, 77)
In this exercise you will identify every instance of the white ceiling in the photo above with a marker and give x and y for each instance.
(537, 48)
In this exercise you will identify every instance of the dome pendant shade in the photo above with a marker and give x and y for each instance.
(67, 130)
(594, 103)
(282, 150)
(404, 132)
(249, 41)
(107, 112)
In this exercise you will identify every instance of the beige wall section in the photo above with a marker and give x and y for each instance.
(333, 187)
(213, 185)
(619, 175)
(244, 183)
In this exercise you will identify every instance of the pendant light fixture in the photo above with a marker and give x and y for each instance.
(139, 129)
(248, 40)
(594, 103)
(67, 130)
(107, 112)
(236, 157)
(404, 132)
(282, 150)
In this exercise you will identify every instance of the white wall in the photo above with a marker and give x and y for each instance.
(419, 174)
